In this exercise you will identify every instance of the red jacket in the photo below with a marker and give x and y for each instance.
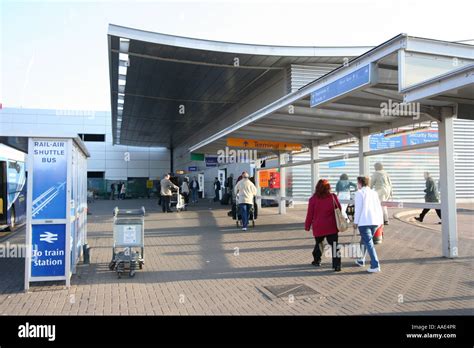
(321, 215)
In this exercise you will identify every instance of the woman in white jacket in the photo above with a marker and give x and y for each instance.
(368, 217)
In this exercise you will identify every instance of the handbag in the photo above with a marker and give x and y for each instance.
(341, 222)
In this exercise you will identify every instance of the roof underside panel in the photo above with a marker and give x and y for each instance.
(171, 91)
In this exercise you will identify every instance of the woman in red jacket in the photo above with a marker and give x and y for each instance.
(322, 218)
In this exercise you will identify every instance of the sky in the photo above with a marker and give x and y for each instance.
(54, 53)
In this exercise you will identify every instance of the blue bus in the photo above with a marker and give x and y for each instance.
(12, 188)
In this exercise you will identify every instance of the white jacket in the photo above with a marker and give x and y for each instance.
(368, 211)
(246, 190)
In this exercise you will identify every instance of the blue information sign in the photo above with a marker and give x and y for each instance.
(48, 250)
(49, 183)
(211, 161)
(192, 169)
(356, 79)
(337, 164)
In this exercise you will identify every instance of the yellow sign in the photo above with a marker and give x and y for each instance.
(149, 184)
(263, 144)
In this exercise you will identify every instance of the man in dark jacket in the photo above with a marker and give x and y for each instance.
(217, 188)
(431, 196)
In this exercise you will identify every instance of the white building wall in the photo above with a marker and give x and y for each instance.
(118, 162)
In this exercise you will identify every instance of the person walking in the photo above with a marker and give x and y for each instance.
(321, 218)
(194, 190)
(123, 190)
(112, 191)
(367, 218)
(381, 183)
(166, 186)
(246, 192)
(229, 185)
(217, 189)
(431, 196)
(343, 190)
(185, 190)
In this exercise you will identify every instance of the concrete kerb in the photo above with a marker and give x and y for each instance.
(401, 216)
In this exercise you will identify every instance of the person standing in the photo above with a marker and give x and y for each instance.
(431, 196)
(217, 189)
(166, 186)
(343, 190)
(246, 192)
(321, 217)
(381, 183)
(185, 190)
(123, 190)
(367, 218)
(112, 191)
(194, 190)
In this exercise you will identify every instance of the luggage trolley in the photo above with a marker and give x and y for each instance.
(129, 233)
(177, 200)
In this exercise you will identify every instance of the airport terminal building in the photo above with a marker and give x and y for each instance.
(176, 101)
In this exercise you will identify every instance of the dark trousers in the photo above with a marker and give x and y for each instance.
(425, 211)
(165, 203)
(216, 197)
(318, 249)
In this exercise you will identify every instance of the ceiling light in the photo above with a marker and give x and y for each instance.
(342, 144)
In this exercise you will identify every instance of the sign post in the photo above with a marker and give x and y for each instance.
(56, 209)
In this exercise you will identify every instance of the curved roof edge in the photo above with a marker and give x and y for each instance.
(239, 48)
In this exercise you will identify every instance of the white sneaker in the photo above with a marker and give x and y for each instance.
(360, 263)
(244, 228)
(374, 270)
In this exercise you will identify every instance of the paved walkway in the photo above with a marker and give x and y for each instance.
(198, 262)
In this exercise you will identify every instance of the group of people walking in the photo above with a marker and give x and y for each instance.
(369, 214)
(118, 190)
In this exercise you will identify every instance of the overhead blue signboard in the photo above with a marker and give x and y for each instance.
(379, 142)
(48, 250)
(337, 164)
(211, 161)
(192, 169)
(49, 184)
(356, 79)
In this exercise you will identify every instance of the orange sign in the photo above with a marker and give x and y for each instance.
(263, 144)
(263, 178)
(269, 178)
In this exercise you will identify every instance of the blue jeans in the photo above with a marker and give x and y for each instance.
(194, 195)
(367, 235)
(244, 213)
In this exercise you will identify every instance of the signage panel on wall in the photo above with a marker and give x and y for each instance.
(50, 175)
(48, 250)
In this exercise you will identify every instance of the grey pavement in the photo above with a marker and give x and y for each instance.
(199, 262)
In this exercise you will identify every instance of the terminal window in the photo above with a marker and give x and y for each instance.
(92, 137)
(95, 175)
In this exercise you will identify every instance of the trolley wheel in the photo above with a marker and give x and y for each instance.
(119, 275)
(131, 274)
(112, 265)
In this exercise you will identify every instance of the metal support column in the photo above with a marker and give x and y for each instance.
(314, 166)
(258, 164)
(282, 201)
(363, 147)
(447, 184)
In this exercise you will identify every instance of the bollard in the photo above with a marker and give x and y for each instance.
(86, 253)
